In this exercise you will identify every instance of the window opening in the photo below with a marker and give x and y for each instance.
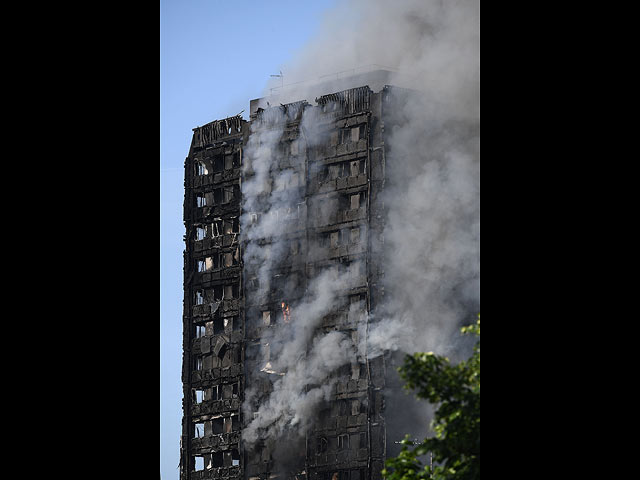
(200, 331)
(199, 297)
(201, 169)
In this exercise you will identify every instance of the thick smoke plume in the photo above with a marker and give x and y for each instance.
(431, 237)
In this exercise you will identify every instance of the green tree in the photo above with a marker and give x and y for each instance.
(455, 390)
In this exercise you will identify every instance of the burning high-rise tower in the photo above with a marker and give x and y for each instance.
(284, 234)
(338, 225)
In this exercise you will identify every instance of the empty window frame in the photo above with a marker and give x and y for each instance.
(200, 331)
(343, 442)
(231, 258)
(335, 239)
(358, 440)
(197, 363)
(201, 200)
(353, 134)
(217, 460)
(217, 228)
(229, 292)
(322, 445)
(201, 233)
(354, 235)
(227, 391)
(337, 170)
(215, 392)
(218, 326)
(218, 425)
(354, 201)
(362, 131)
(334, 171)
(211, 262)
(344, 135)
(235, 457)
(199, 297)
(198, 463)
(231, 226)
(356, 405)
(227, 324)
(228, 162)
(201, 169)
(218, 163)
(343, 408)
(230, 424)
(198, 430)
(235, 323)
(198, 396)
(356, 268)
(357, 200)
(228, 194)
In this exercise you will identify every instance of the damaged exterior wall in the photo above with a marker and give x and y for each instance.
(338, 220)
(213, 314)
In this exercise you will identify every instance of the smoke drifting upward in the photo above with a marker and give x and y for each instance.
(432, 193)
(298, 362)
(431, 237)
(432, 45)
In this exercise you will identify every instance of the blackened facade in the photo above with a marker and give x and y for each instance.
(334, 219)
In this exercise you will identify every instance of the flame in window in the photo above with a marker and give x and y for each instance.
(285, 312)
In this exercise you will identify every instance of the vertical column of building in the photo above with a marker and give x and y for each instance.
(376, 216)
(343, 443)
(275, 275)
(213, 310)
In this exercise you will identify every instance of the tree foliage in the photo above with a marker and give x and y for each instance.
(455, 389)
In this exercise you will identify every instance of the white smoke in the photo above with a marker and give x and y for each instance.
(300, 361)
(431, 237)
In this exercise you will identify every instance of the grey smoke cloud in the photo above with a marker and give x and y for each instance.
(307, 361)
(432, 233)
(300, 361)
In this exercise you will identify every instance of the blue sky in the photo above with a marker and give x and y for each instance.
(215, 56)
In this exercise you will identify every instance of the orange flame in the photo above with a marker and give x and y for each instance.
(285, 312)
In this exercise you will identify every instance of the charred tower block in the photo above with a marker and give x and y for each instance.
(213, 317)
(326, 177)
